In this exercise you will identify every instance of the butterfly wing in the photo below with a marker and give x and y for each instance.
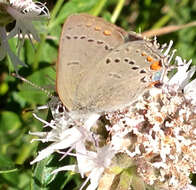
(119, 78)
(85, 40)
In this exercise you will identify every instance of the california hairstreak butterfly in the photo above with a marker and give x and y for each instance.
(101, 67)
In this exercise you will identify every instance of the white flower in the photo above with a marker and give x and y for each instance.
(156, 133)
(66, 134)
(90, 162)
(24, 13)
(62, 137)
(182, 77)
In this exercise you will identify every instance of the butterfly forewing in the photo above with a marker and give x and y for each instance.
(85, 40)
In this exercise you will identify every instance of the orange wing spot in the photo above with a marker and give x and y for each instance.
(156, 65)
(97, 28)
(107, 32)
(153, 84)
(143, 54)
(149, 59)
(89, 24)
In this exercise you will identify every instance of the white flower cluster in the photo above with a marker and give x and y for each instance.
(157, 133)
(24, 12)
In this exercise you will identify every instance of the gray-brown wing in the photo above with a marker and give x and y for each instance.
(85, 40)
(119, 78)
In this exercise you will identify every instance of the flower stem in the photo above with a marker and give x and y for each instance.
(56, 9)
(98, 8)
(117, 10)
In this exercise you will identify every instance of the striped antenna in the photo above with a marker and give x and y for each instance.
(49, 94)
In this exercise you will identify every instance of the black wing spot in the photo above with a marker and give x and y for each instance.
(126, 59)
(68, 37)
(82, 37)
(142, 71)
(106, 47)
(135, 68)
(108, 60)
(99, 42)
(90, 40)
(131, 62)
(117, 60)
(143, 80)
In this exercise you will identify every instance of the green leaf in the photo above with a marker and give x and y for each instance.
(9, 122)
(6, 165)
(16, 180)
(3, 88)
(42, 174)
(72, 6)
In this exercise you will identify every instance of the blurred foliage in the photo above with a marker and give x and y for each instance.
(17, 98)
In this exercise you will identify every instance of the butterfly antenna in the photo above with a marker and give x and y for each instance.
(49, 94)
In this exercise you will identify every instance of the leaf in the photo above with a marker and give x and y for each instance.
(9, 122)
(73, 6)
(42, 174)
(6, 165)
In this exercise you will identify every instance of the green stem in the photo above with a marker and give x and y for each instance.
(38, 52)
(25, 151)
(55, 10)
(98, 8)
(161, 22)
(117, 11)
